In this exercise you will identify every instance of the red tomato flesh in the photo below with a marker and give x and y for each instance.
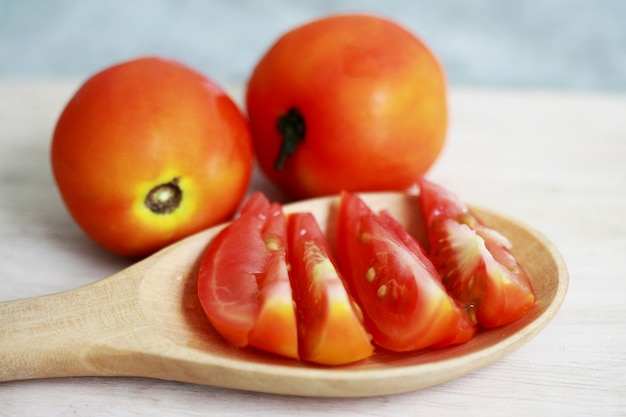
(404, 303)
(243, 281)
(330, 330)
(475, 261)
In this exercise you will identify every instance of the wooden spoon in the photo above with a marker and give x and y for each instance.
(146, 321)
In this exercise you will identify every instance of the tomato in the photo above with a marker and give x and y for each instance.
(404, 302)
(475, 261)
(243, 282)
(348, 102)
(149, 151)
(330, 327)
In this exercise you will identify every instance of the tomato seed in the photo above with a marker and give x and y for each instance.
(272, 244)
(382, 291)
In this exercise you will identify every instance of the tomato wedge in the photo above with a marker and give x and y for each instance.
(330, 330)
(404, 302)
(243, 281)
(475, 261)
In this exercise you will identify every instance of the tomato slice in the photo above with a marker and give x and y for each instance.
(475, 261)
(330, 330)
(243, 281)
(404, 302)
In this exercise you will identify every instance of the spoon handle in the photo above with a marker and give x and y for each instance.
(60, 334)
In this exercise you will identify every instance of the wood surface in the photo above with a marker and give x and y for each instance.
(555, 161)
(146, 320)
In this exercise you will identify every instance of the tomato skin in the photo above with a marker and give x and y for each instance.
(405, 305)
(141, 124)
(373, 101)
(330, 330)
(243, 281)
(475, 261)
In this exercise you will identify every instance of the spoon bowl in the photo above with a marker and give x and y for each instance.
(146, 321)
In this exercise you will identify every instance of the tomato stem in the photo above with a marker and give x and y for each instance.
(292, 128)
(164, 198)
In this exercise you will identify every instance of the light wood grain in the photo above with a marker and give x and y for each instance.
(147, 321)
(552, 160)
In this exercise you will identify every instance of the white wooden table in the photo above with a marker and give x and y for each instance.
(556, 161)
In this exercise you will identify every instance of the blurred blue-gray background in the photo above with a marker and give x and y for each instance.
(557, 44)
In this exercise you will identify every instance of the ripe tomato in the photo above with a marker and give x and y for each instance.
(330, 327)
(475, 261)
(149, 151)
(348, 102)
(243, 283)
(405, 305)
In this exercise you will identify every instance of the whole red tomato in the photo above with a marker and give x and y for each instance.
(150, 151)
(348, 102)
